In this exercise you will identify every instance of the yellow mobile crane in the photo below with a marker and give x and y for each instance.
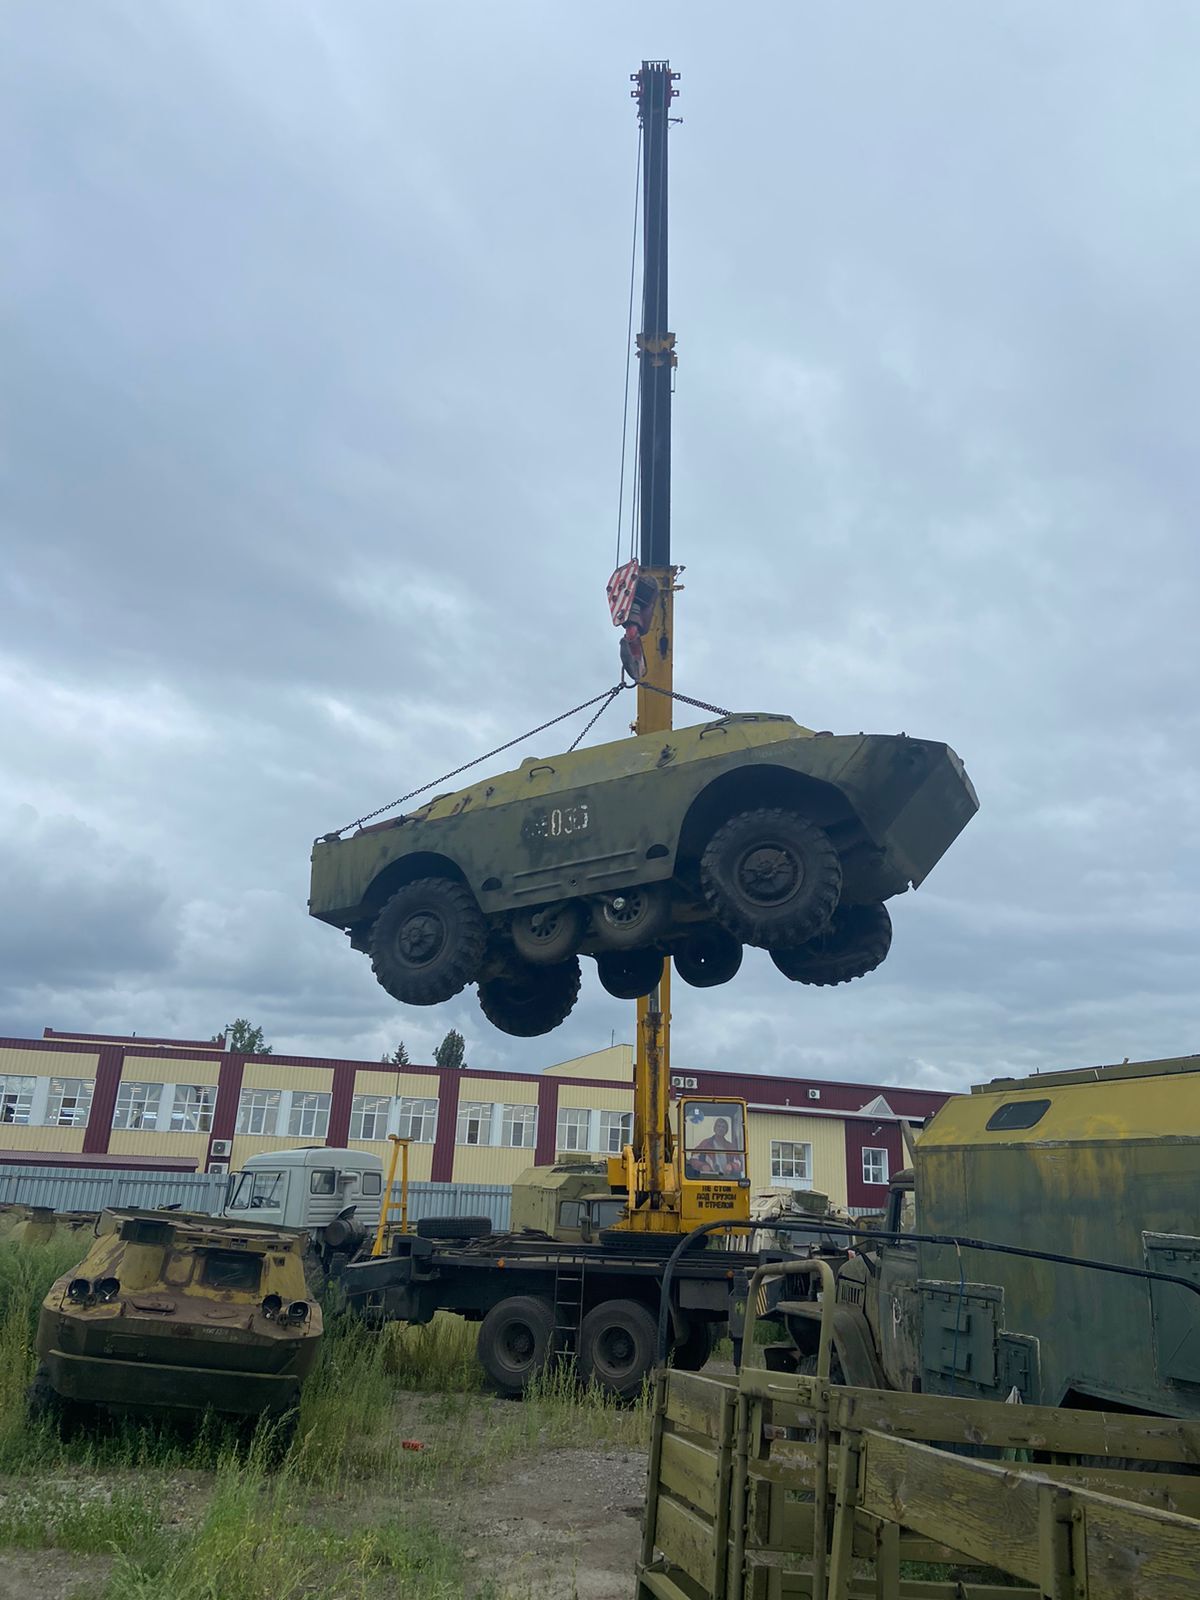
(697, 1170)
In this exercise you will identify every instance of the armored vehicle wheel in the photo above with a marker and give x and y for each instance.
(516, 1340)
(709, 957)
(531, 1001)
(44, 1404)
(427, 942)
(629, 974)
(546, 935)
(695, 1348)
(632, 919)
(617, 1343)
(854, 942)
(771, 877)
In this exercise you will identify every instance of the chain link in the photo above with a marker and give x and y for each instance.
(602, 701)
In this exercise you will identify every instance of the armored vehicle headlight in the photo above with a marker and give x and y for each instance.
(271, 1307)
(298, 1311)
(79, 1289)
(107, 1288)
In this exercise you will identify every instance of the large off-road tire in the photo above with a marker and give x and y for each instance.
(629, 974)
(547, 935)
(707, 957)
(454, 1227)
(617, 1344)
(771, 877)
(633, 918)
(531, 1001)
(854, 941)
(694, 1349)
(428, 941)
(45, 1406)
(516, 1342)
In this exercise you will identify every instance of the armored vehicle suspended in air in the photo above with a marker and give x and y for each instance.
(176, 1312)
(689, 843)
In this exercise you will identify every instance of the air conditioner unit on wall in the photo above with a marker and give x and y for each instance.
(814, 1094)
(221, 1147)
(218, 1169)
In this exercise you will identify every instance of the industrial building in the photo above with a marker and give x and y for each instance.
(187, 1105)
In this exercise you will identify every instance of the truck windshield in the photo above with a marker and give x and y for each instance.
(714, 1139)
(255, 1191)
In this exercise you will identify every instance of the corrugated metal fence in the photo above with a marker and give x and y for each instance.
(85, 1189)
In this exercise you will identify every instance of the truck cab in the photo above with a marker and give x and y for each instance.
(307, 1189)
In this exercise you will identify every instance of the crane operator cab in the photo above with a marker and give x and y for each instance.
(716, 1176)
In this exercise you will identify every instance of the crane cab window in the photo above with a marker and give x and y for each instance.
(714, 1139)
(256, 1191)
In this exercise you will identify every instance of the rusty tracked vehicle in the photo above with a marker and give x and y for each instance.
(177, 1312)
(690, 843)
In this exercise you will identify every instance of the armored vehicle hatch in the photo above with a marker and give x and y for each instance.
(179, 1312)
(689, 844)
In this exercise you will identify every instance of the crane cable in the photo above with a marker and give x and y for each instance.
(603, 700)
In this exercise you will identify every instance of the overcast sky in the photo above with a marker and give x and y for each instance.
(312, 364)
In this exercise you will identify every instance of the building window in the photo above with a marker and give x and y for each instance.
(790, 1163)
(16, 1099)
(875, 1166)
(309, 1117)
(418, 1120)
(258, 1111)
(69, 1102)
(193, 1108)
(137, 1106)
(616, 1131)
(518, 1127)
(369, 1116)
(572, 1128)
(474, 1123)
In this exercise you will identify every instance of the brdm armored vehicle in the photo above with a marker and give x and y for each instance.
(175, 1312)
(691, 843)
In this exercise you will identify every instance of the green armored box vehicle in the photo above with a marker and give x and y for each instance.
(1101, 1164)
(691, 843)
(175, 1312)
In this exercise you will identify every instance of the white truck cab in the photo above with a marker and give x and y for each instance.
(308, 1188)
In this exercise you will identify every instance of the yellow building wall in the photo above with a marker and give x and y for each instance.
(59, 1141)
(615, 1061)
(141, 1069)
(313, 1080)
(498, 1091)
(577, 1094)
(420, 1158)
(145, 1142)
(47, 1063)
(826, 1135)
(478, 1163)
(412, 1085)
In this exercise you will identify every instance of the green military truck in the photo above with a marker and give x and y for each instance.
(1102, 1164)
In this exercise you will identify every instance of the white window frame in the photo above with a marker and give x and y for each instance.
(69, 1102)
(616, 1131)
(474, 1115)
(518, 1127)
(785, 1161)
(258, 1112)
(869, 1167)
(193, 1107)
(308, 1117)
(573, 1132)
(373, 1110)
(16, 1099)
(418, 1119)
(137, 1107)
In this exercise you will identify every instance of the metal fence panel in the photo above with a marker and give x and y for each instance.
(457, 1200)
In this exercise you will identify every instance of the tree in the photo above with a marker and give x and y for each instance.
(398, 1057)
(451, 1052)
(245, 1039)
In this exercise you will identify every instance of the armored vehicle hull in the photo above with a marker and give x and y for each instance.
(180, 1313)
(747, 830)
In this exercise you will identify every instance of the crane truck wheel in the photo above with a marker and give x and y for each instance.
(547, 935)
(617, 1345)
(855, 941)
(528, 1001)
(516, 1340)
(771, 877)
(629, 974)
(693, 1350)
(427, 942)
(709, 957)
